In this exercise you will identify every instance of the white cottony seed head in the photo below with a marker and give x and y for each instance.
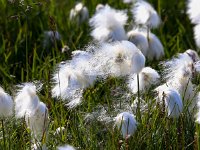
(147, 78)
(66, 147)
(156, 50)
(171, 99)
(197, 34)
(139, 39)
(6, 104)
(145, 14)
(193, 10)
(26, 100)
(108, 24)
(126, 123)
(37, 121)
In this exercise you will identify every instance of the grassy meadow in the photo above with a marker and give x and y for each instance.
(26, 57)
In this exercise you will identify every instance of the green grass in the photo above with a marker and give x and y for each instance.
(23, 59)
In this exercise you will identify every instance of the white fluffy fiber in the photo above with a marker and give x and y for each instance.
(139, 39)
(193, 10)
(172, 100)
(150, 46)
(108, 59)
(126, 122)
(69, 83)
(178, 75)
(181, 65)
(187, 91)
(108, 24)
(66, 147)
(145, 14)
(28, 105)
(147, 78)
(59, 130)
(118, 59)
(193, 55)
(79, 13)
(197, 34)
(197, 66)
(99, 7)
(180, 79)
(26, 100)
(37, 121)
(72, 77)
(198, 110)
(6, 104)
(128, 1)
(155, 50)
(198, 117)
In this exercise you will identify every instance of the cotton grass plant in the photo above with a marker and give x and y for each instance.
(6, 106)
(148, 77)
(28, 106)
(79, 13)
(150, 44)
(126, 123)
(6, 109)
(144, 14)
(108, 24)
(171, 100)
(139, 39)
(179, 74)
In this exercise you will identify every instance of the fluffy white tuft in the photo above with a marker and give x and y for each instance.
(193, 55)
(108, 24)
(139, 39)
(26, 100)
(28, 105)
(193, 10)
(197, 66)
(73, 76)
(198, 117)
(172, 101)
(68, 80)
(145, 14)
(37, 121)
(179, 72)
(156, 50)
(182, 65)
(197, 34)
(198, 110)
(79, 13)
(137, 62)
(66, 147)
(99, 7)
(129, 1)
(59, 130)
(6, 104)
(147, 78)
(118, 59)
(126, 123)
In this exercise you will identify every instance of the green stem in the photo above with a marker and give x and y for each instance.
(197, 136)
(138, 103)
(4, 139)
